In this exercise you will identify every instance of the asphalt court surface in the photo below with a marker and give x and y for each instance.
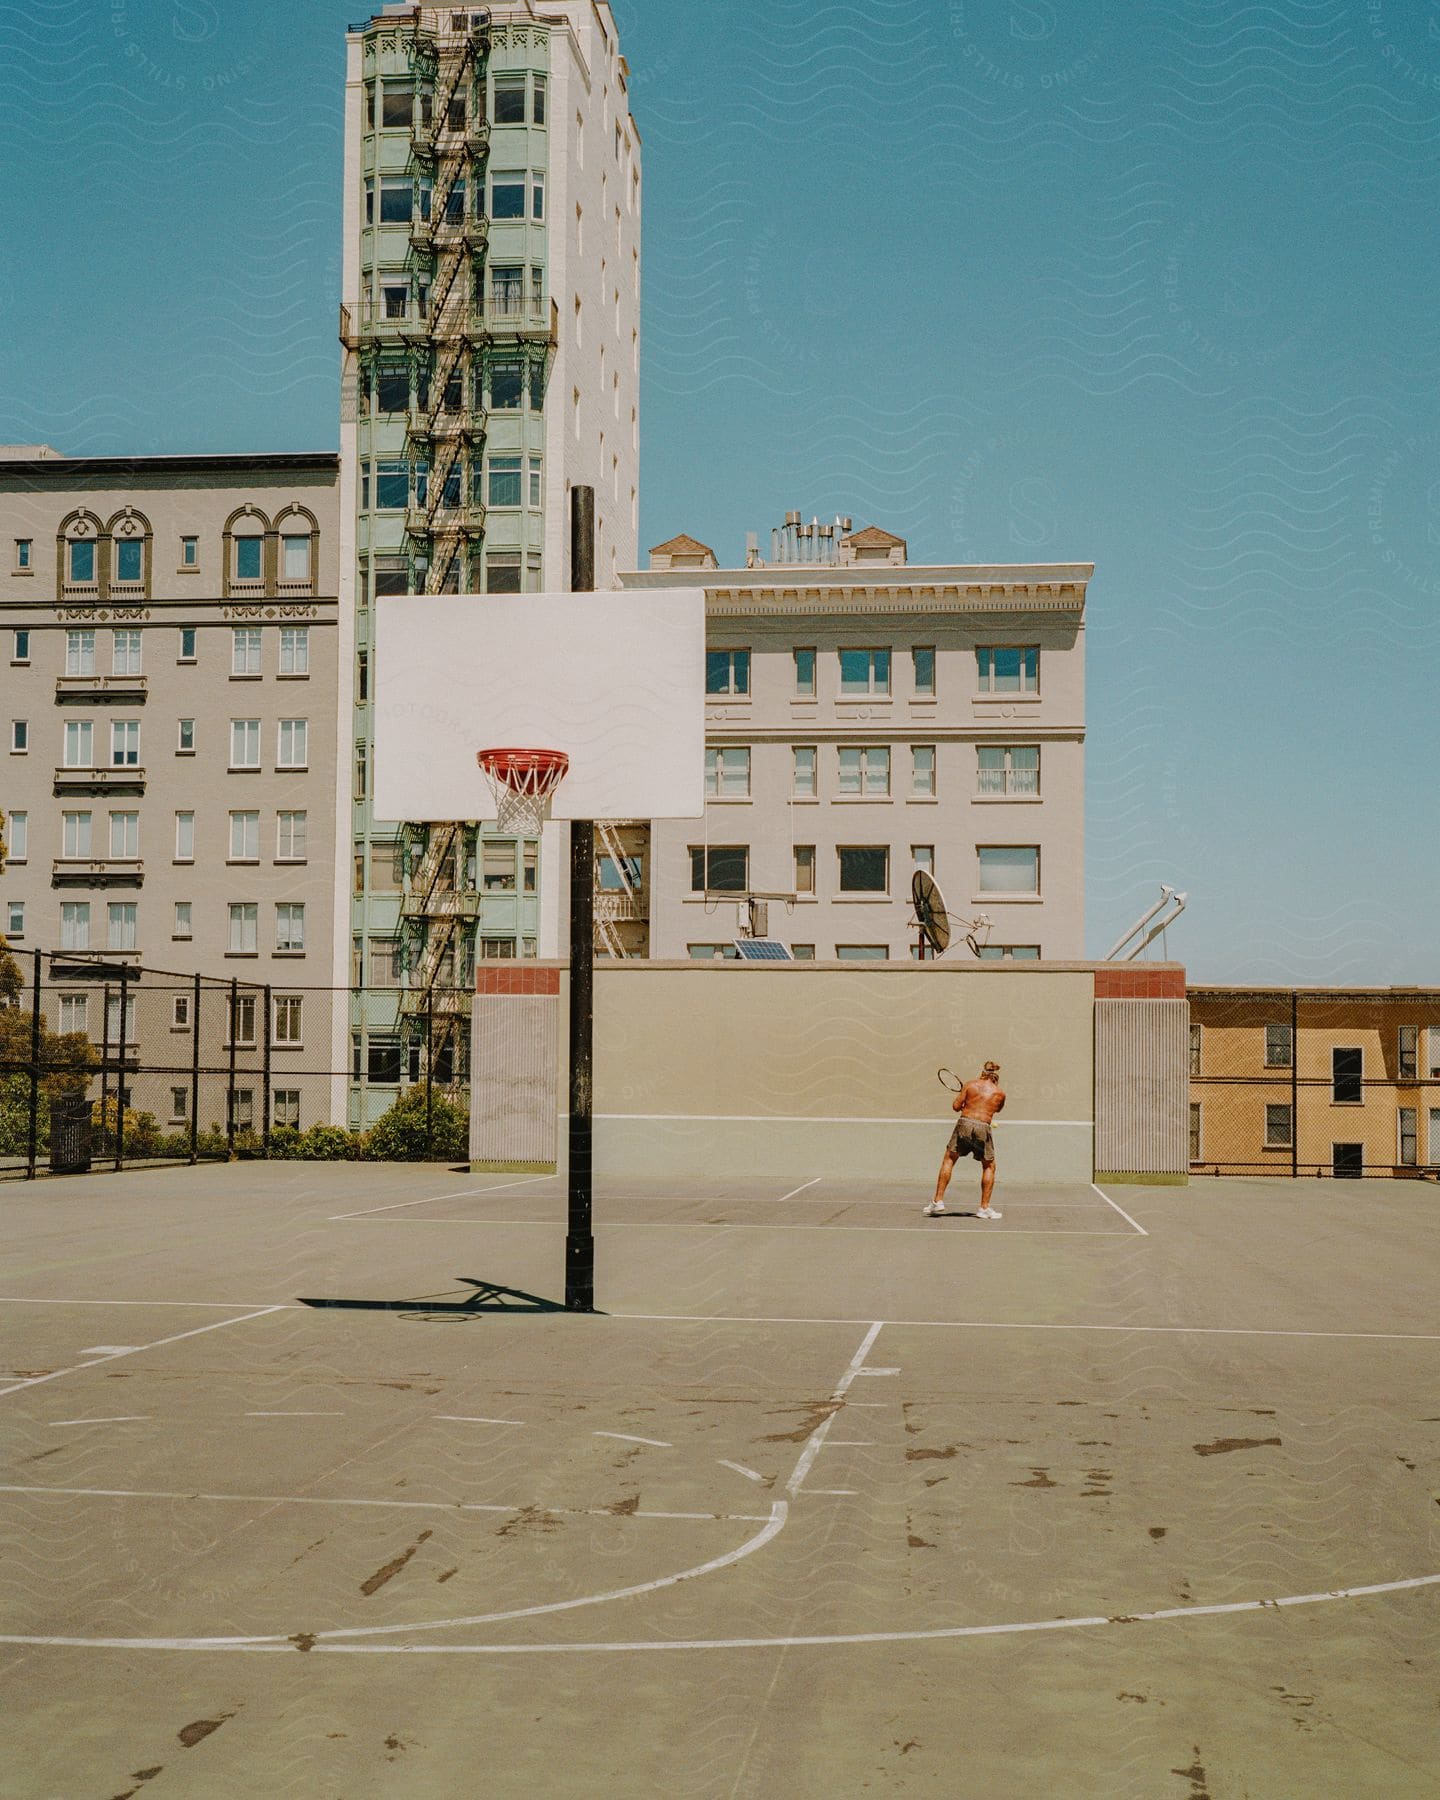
(311, 1490)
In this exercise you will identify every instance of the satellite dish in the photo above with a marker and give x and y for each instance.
(930, 914)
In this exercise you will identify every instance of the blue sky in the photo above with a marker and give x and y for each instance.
(1151, 287)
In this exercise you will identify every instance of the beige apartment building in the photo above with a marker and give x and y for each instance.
(867, 716)
(168, 667)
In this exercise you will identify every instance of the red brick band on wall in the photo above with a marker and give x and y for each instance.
(515, 978)
(1127, 982)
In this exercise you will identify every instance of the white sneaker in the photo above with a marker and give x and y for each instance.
(988, 1212)
(934, 1209)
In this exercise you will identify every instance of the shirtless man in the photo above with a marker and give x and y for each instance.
(977, 1104)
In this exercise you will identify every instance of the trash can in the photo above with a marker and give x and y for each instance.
(70, 1136)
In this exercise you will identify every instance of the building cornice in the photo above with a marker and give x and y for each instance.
(743, 593)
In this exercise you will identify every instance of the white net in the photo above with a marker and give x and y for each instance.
(522, 785)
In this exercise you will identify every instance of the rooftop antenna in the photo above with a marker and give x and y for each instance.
(1168, 897)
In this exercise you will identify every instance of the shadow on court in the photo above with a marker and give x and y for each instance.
(487, 1297)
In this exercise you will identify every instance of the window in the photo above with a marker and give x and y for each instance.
(1005, 670)
(82, 562)
(74, 1009)
(727, 671)
(361, 770)
(1347, 1161)
(865, 769)
(129, 559)
(179, 1012)
(241, 1012)
(15, 917)
(124, 835)
(1195, 1034)
(287, 1107)
(507, 194)
(1008, 953)
(804, 868)
(293, 745)
(125, 743)
(74, 924)
(1407, 1059)
(392, 395)
(864, 672)
(181, 927)
(497, 866)
(243, 1112)
(79, 652)
(290, 925)
(243, 916)
(179, 1105)
(122, 924)
(537, 375)
(244, 836)
(294, 649)
(504, 477)
(290, 837)
(496, 949)
(245, 650)
(803, 952)
(1347, 1082)
(1194, 1131)
(19, 837)
(1278, 1047)
(189, 553)
(862, 952)
(1009, 769)
(623, 877)
(20, 736)
(248, 557)
(722, 869)
(712, 953)
(727, 773)
(507, 388)
(1009, 869)
(537, 196)
(922, 771)
(187, 644)
(397, 103)
(79, 744)
(20, 647)
(75, 833)
(289, 1019)
(185, 737)
(538, 96)
(509, 102)
(1408, 1133)
(864, 869)
(502, 572)
(802, 771)
(533, 497)
(923, 659)
(295, 557)
(386, 968)
(1278, 1129)
(383, 1059)
(120, 1026)
(244, 743)
(922, 856)
(22, 552)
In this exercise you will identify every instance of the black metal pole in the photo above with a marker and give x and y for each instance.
(32, 1129)
(230, 1082)
(1294, 1082)
(105, 1064)
(120, 1081)
(579, 1237)
(429, 1068)
(195, 1075)
(265, 1078)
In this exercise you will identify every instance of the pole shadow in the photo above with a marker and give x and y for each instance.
(488, 1297)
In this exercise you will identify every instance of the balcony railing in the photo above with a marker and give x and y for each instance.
(442, 903)
(622, 909)
(105, 871)
(127, 689)
(100, 781)
(502, 315)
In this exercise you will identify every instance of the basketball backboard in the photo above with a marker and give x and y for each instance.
(615, 680)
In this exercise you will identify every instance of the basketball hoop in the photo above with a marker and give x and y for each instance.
(523, 782)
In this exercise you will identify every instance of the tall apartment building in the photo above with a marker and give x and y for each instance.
(866, 716)
(168, 661)
(490, 328)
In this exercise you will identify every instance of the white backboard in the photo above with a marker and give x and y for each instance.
(616, 680)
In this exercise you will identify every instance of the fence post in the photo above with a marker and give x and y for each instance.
(32, 1129)
(429, 1066)
(231, 1026)
(120, 1081)
(195, 1075)
(1294, 1084)
(265, 1079)
(105, 1062)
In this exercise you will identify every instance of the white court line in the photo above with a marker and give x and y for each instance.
(486, 1506)
(459, 1194)
(294, 1415)
(1003, 1125)
(463, 1419)
(1120, 1209)
(740, 1469)
(1385, 1337)
(103, 1362)
(752, 1225)
(119, 1419)
(842, 1387)
(790, 1196)
(629, 1438)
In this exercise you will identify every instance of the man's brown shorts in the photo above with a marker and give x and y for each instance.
(971, 1137)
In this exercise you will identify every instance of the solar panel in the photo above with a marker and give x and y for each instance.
(763, 950)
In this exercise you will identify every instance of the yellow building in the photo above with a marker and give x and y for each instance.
(1315, 1081)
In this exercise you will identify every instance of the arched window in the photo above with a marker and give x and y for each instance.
(128, 539)
(299, 560)
(77, 555)
(243, 546)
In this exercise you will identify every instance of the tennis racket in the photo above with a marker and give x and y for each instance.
(948, 1078)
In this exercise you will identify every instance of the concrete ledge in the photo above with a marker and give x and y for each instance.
(1128, 1175)
(494, 1166)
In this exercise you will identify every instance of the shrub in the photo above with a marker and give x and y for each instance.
(330, 1143)
(399, 1134)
